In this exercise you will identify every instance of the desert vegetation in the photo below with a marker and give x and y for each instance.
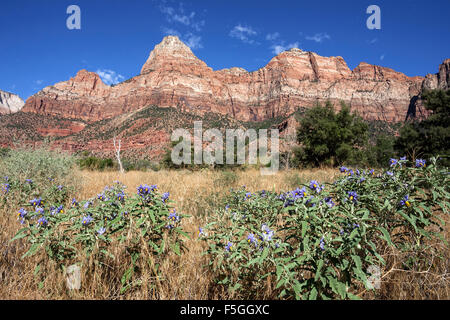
(183, 234)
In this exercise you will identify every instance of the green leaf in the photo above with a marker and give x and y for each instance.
(313, 294)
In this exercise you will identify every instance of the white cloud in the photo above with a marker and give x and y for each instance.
(318, 37)
(382, 57)
(179, 16)
(109, 76)
(373, 41)
(39, 81)
(278, 48)
(272, 36)
(243, 33)
(193, 41)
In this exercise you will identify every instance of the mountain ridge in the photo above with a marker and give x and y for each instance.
(173, 76)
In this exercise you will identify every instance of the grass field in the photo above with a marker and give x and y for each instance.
(184, 277)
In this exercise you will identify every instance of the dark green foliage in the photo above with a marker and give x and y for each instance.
(94, 163)
(431, 136)
(3, 152)
(330, 138)
(382, 151)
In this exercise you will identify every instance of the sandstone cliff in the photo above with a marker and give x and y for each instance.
(174, 77)
(9, 102)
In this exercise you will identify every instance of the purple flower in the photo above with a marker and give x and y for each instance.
(329, 202)
(390, 173)
(229, 246)
(200, 232)
(322, 244)
(267, 233)
(405, 201)
(121, 196)
(352, 196)
(36, 202)
(343, 169)
(314, 185)
(87, 204)
(165, 196)
(101, 231)
(6, 187)
(393, 162)
(173, 219)
(21, 215)
(74, 202)
(101, 197)
(29, 181)
(42, 222)
(251, 239)
(420, 163)
(86, 220)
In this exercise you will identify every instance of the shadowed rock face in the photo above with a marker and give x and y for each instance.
(174, 76)
(440, 80)
(9, 102)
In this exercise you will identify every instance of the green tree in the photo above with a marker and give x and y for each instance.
(331, 138)
(429, 137)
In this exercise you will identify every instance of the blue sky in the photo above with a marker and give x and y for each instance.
(116, 36)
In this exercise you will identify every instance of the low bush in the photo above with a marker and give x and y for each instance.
(324, 241)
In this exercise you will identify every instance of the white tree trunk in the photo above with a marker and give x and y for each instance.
(117, 148)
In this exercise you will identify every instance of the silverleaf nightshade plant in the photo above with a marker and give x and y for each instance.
(142, 223)
(300, 246)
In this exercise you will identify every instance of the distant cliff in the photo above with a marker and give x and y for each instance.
(174, 77)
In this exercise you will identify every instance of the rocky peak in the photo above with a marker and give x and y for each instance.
(440, 80)
(9, 102)
(171, 50)
(84, 82)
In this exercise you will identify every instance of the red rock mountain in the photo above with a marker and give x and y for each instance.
(174, 76)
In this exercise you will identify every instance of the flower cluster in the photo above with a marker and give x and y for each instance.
(145, 190)
(57, 210)
(36, 202)
(290, 197)
(6, 187)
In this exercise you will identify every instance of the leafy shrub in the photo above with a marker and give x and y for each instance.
(94, 163)
(319, 241)
(142, 228)
(32, 172)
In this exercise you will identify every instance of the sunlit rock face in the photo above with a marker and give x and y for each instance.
(9, 102)
(173, 76)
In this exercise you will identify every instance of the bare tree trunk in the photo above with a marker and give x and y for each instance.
(117, 149)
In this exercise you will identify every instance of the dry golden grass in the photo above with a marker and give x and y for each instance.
(183, 277)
